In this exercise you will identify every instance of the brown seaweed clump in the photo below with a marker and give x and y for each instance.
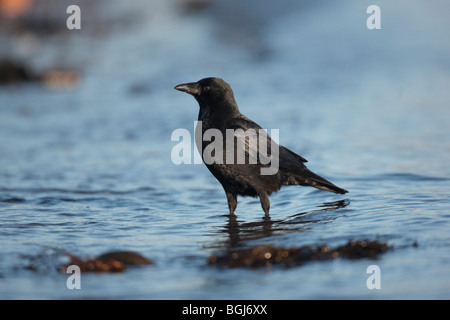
(115, 261)
(268, 255)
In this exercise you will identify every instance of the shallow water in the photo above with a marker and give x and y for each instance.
(88, 169)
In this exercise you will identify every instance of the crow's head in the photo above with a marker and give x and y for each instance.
(212, 93)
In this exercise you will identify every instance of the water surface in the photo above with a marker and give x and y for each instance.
(88, 169)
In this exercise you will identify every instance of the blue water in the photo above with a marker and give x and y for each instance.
(88, 169)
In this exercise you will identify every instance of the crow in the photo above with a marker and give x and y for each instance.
(219, 112)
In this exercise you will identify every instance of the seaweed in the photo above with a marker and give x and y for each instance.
(268, 255)
(115, 261)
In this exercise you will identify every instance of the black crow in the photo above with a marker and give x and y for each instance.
(220, 113)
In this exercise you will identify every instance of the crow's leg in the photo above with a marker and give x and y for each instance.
(232, 201)
(265, 202)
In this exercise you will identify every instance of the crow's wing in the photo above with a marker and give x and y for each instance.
(249, 136)
(289, 162)
(251, 141)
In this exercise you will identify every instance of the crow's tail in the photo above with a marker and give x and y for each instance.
(309, 178)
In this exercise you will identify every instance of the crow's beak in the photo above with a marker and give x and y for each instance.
(191, 88)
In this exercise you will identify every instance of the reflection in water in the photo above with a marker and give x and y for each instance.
(305, 217)
(238, 232)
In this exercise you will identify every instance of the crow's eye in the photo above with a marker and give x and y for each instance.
(205, 88)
